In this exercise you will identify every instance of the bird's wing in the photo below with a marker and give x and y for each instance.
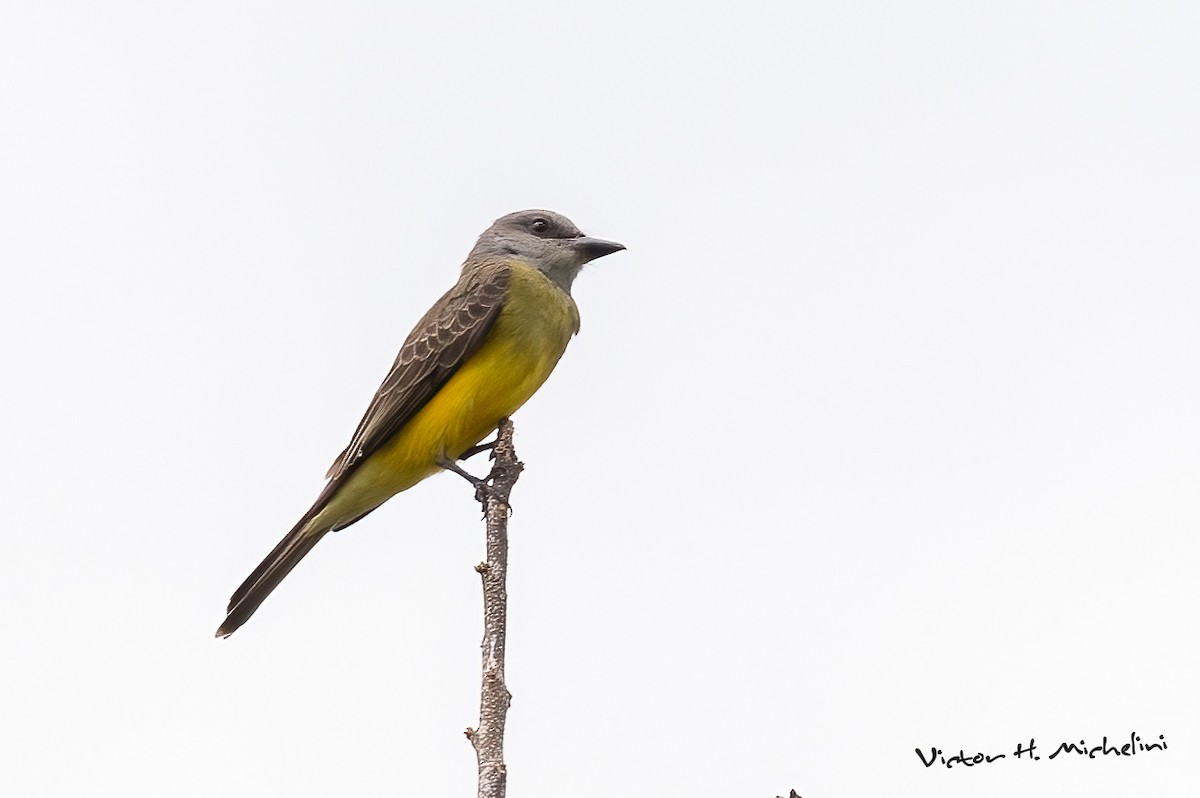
(453, 329)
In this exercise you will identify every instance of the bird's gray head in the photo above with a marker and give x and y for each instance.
(548, 241)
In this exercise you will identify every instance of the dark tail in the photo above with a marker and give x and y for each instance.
(270, 572)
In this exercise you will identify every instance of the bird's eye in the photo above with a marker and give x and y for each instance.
(540, 225)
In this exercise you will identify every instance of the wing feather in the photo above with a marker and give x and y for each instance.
(453, 329)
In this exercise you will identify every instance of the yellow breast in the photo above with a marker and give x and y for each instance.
(530, 335)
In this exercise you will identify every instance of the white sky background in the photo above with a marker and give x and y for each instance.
(882, 434)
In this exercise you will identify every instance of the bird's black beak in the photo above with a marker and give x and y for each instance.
(593, 248)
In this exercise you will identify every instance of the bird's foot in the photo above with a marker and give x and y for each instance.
(483, 491)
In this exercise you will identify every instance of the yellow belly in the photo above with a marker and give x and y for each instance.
(530, 335)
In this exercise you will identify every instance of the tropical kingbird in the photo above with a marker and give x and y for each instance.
(478, 354)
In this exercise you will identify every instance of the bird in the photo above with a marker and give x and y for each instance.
(473, 359)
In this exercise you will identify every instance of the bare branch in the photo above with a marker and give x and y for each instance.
(494, 698)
